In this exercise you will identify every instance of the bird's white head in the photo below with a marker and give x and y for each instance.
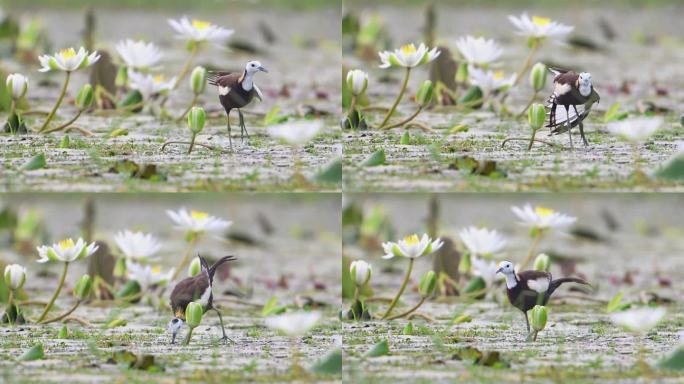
(253, 67)
(506, 268)
(174, 326)
(584, 81)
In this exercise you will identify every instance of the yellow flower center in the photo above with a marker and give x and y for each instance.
(543, 212)
(158, 79)
(408, 49)
(67, 53)
(411, 240)
(540, 21)
(200, 24)
(156, 269)
(66, 244)
(498, 75)
(198, 215)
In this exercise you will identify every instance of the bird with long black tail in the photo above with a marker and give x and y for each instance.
(570, 90)
(196, 288)
(529, 288)
(236, 90)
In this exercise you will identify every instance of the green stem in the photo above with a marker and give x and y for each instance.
(192, 142)
(533, 247)
(187, 338)
(192, 104)
(401, 290)
(186, 67)
(186, 256)
(399, 97)
(68, 123)
(10, 303)
(534, 133)
(352, 104)
(65, 314)
(54, 297)
(410, 311)
(407, 120)
(57, 104)
(528, 63)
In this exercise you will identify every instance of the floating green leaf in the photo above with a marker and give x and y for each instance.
(375, 159)
(405, 138)
(674, 361)
(331, 364)
(612, 114)
(408, 329)
(331, 173)
(462, 319)
(63, 332)
(673, 170)
(36, 162)
(117, 323)
(615, 304)
(65, 142)
(272, 117)
(379, 349)
(34, 353)
(272, 307)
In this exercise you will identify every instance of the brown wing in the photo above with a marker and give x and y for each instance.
(533, 275)
(569, 77)
(187, 291)
(224, 79)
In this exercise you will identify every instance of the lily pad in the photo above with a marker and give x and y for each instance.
(375, 159)
(379, 349)
(36, 352)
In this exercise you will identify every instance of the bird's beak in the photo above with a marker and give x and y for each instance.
(498, 270)
(262, 69)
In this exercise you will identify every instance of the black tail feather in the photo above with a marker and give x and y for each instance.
(212, 269)
(557, 283)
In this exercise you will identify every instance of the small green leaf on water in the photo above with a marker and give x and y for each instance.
(375, 159)
(379, 349)
(36, 162)
(331, 364)
(673, 170)
(458, 128)
(462, 319)
(612, 114)
(63, 332)
(117, 323)
(272, 308)
(34, 353)
(331, 173)
(674, 361)
(119, 132)
(408, 329)
(273, 118)
(405, 138)
(615, 305)
(66, 141)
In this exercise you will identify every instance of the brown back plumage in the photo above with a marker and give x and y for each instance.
(188, 290)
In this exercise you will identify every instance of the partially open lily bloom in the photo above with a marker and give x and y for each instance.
(138, 54)
(637, 129)
(482, 241)
(17, 85)
(408, 56)
(147, 275)
(148, 84)
(360, 272)
(539, 285)
(539, 27)
(298, 133)
(66, 251)
(542, 218)
(294, 323)
(411, 246)
(15, 276)
(197, 221)
(357, 81)
(198, 31)
(489, 81)
(478, 50)
(486, 269)
(137, 245)
(68, 60)
(638, 320)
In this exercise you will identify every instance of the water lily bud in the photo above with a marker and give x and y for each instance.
(120, 267)
(538, 76)
(361, 272)
(539, 314)
(196, 118)
(195, 267)
(541, 263)
(536, 116)
(15, 276)
(84, 98)
(17, 85)
(462, 73)
(198, 80)
(427, 283)
(193, 314)
(121, 77)
(83, 287)
(357, 81)
(424, 95)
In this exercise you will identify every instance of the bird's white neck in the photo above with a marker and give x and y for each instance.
(247, 81)
(585, 89)
(511, 281)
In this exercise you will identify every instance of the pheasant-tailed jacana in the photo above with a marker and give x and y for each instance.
(196, 288)
(236, 90)
(519, 287)
(570, 90)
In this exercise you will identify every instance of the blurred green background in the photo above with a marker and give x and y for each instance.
(169, 4)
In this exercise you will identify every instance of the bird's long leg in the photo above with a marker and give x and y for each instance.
(581, 127)
(243, 127)
(552, 115)
(223, 329)
(527, 322)
(567, 124)
(230, 139)
(173, 338)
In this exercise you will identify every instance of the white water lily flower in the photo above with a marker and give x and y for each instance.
(411, 247)
(138, 54)
(199, 31)
(361, 272)
(198, 221)
(489, 81)
(408, 56)
(17, 85)
(148, 84)
(68, 60)
(542, 218)
(478, 50)
(637, 129)
(137, 245)
(147, 275)
(638, 320)
(357, 81)
(539, 285)
(539, 27)
(298, 133)
(294, 323)
(66, 251)
(486, 269)
(15, 276)
(482, 241)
